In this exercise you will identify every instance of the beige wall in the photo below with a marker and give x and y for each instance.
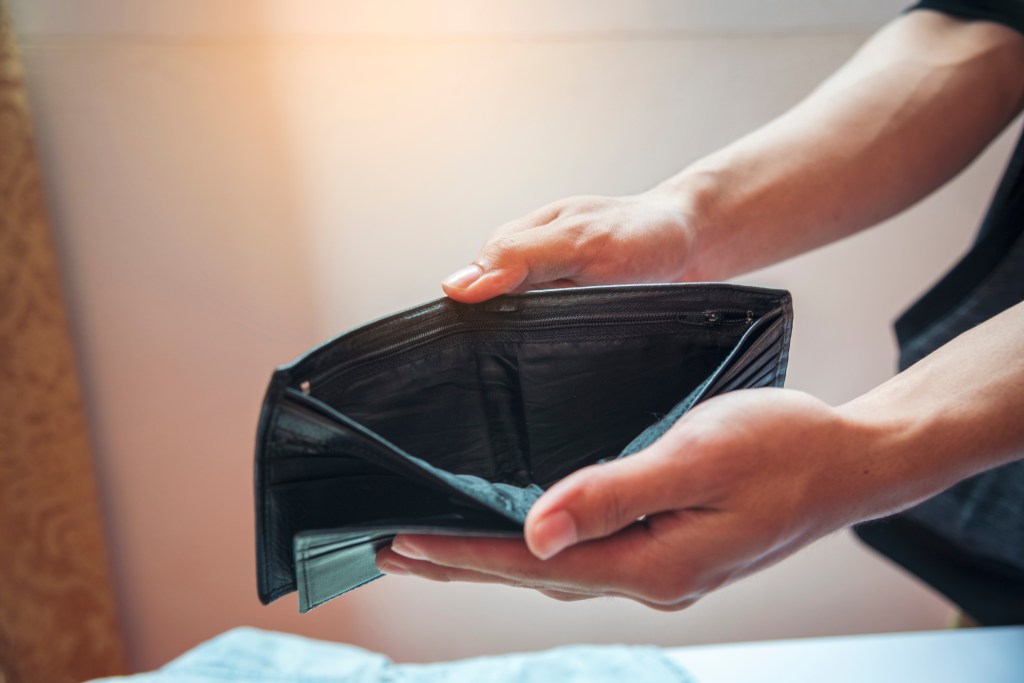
(232, 182)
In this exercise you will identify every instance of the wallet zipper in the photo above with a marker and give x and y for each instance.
(709, 317)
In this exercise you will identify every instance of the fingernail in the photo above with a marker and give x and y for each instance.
(554, 533)
(406, 549)
(464, 277)
(393, 568)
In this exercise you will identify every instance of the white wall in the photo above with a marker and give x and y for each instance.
(232, 182)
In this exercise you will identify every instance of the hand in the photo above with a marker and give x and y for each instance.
(737, 484)
(581, 241)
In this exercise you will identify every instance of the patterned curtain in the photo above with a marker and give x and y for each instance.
(57, 617)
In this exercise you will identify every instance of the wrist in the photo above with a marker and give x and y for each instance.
(893, 453)
(952, 415)
(694, 195)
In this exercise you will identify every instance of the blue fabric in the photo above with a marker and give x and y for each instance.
(248, 654)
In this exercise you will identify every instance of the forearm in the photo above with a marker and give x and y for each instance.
(955, 413)
(916, 104)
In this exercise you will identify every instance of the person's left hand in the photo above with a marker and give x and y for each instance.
(735, 485)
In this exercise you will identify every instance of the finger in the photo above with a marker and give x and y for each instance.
(389, 562)
(674, 606)
(534, 219)
(599, 500)
(456, 284)
(634, 563)
(553, 284)
(565, 596)
(582, 569)
(557, 251)
(442, 574)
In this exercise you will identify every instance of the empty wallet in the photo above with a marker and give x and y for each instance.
(454, 418)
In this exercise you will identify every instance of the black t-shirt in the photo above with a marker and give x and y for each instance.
(968, 542)
(1008, 12)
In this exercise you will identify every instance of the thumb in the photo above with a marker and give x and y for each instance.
(513, 262)
(599, 500)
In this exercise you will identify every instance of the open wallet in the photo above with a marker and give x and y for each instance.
(453, 418)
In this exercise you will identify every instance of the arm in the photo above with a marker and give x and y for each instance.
(911, 109)
(723, 503)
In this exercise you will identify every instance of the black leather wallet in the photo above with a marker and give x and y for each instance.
(453, 418)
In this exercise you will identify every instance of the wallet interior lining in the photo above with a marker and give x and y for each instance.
(465, 407)
(367, 498)
(312, 455)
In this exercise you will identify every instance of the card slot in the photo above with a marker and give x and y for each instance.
(765, 379)
(510, 501)
(349, 436)
(416, 413)
(760, 349)
(301, 468)
(761, 346)
(298, 482)
(321, 541)
(324, 543)
(335, 503)
(740, 373)
(376, 478)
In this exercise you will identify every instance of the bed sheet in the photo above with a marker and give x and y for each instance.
(249, 654)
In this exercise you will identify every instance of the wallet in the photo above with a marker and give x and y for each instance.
(452, 418)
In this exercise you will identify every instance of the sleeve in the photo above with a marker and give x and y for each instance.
(1007, 12)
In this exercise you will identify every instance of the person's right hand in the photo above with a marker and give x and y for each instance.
(581, 241)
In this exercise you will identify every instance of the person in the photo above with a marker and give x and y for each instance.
(750, 477)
